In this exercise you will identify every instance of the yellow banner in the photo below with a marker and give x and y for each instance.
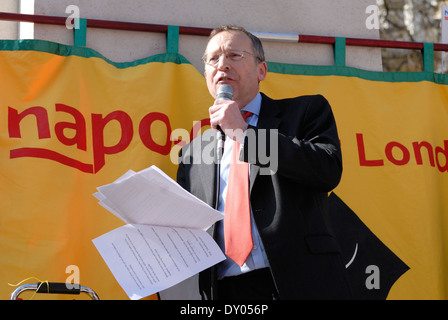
(394, 142)
(72, 121)
(68, 125)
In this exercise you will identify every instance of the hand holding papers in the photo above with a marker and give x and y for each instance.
(165, 241)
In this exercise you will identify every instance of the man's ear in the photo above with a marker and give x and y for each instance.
(262, 71)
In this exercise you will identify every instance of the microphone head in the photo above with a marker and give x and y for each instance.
(225, 92)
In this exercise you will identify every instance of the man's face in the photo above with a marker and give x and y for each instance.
(243, 75)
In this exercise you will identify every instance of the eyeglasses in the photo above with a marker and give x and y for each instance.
(233, 55)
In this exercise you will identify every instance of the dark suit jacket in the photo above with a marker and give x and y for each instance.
(289, 205)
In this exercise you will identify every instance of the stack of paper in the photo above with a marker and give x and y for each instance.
(164, 241)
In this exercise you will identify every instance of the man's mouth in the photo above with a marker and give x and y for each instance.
(222, 80)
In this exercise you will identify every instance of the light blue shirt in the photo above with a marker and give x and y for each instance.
(257, 258)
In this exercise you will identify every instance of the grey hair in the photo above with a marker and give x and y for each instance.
(256, 43)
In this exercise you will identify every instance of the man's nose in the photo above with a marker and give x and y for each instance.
(223, 62)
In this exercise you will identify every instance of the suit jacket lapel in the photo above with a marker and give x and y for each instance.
(269, 118)
(207, 172)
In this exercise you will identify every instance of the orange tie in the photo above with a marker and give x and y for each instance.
(237, 229)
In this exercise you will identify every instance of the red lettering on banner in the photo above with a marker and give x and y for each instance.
(99, 125)
(418, 152)
(444, 153)
(14, 118)
(145, 132)
(362, 154)
(80, 138)
(395, 152)
(51, 155)
(437, 155)
(390, 156)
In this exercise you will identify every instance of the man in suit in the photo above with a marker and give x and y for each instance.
(293, 252)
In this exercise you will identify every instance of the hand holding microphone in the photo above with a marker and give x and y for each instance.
(225, 115)
(225, 92)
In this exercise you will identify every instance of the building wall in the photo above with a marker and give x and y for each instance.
(9, 30)
(313, 17)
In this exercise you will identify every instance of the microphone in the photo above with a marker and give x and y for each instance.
(224, 92)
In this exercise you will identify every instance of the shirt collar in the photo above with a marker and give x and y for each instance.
(254, 106)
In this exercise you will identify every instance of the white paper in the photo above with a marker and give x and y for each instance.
(148, 259)
(164, 241)
(151, 197)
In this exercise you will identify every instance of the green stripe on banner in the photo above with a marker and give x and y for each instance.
(339, 52)
(66, 50)
(172, 39)
(294, 69)
(275, 67)
(80, 33)
(428, 57)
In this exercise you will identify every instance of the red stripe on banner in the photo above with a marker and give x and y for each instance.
(159, 28)
(51, 155)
